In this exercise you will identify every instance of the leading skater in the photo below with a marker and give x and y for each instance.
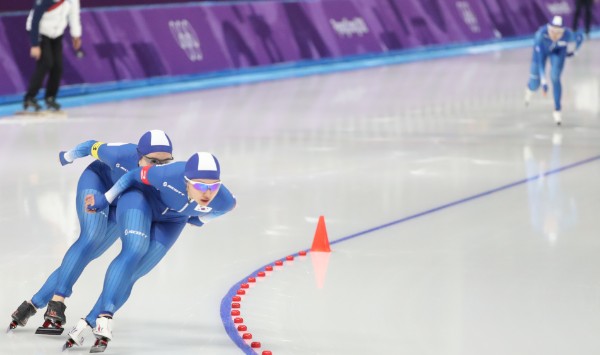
(555, 42)
(97, 231)
(188, 192)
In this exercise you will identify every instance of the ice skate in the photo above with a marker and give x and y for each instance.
(76, 334)
(103, 333)
(557, 117)
(52, 105)
(31, 107)
(31, 102)
(54, 318)
(528, 95)
(21, 315)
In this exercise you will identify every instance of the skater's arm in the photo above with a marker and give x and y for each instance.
(538, 48)
(38, 11)
(574, 42)
(195, 220)
(96, 202)
(75, 24)
(81, 150)
(139, 175)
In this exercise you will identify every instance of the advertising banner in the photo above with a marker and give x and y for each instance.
(123, 44)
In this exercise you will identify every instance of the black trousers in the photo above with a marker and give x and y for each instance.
(50, 62)
(586, 6)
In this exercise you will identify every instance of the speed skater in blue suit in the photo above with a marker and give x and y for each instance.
(552, 42)
(150, 222)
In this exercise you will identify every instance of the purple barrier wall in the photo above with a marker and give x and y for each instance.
(128, 44)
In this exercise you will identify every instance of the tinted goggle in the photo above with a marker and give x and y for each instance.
(201, 186)
(156, 161)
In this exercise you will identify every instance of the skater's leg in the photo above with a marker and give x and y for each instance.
(93, 234)
(557, 64)
(44, 295)
(134, 217)
(112, 234)
(78, 256)
(42, 66)
(534, 71)
(163, 236)
(56, 70)
(95, 312)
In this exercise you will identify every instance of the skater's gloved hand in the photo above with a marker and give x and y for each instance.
(63, 159)
(571, 54)
(95, 202)
(195, 221)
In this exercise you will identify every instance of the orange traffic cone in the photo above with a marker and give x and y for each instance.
(321, 242)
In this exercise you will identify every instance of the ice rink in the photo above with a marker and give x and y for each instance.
(461, 222)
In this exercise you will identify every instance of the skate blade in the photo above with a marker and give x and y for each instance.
(59, 113)
(68, 344)
(99, 346)
(98, 349)
(42, 113)
(49, 331)
(12, 326)
(31, 113)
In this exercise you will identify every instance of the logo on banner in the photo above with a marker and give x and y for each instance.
(468, 16)
(559, 8)
(187, 38)
(348, 28)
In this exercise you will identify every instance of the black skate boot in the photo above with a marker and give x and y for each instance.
(31, 102)
(51, 104)
(21, 315)
(54, 319)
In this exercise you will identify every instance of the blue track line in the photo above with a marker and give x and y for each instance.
(226, 301)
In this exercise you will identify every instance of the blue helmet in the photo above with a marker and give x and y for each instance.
(202, 165)
(154, 141)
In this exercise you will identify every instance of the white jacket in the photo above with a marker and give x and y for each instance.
(55, 20)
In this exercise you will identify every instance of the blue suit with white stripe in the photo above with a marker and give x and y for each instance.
(151, 221)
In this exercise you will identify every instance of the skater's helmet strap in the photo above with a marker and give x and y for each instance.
(154, 141)
(202, 165)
